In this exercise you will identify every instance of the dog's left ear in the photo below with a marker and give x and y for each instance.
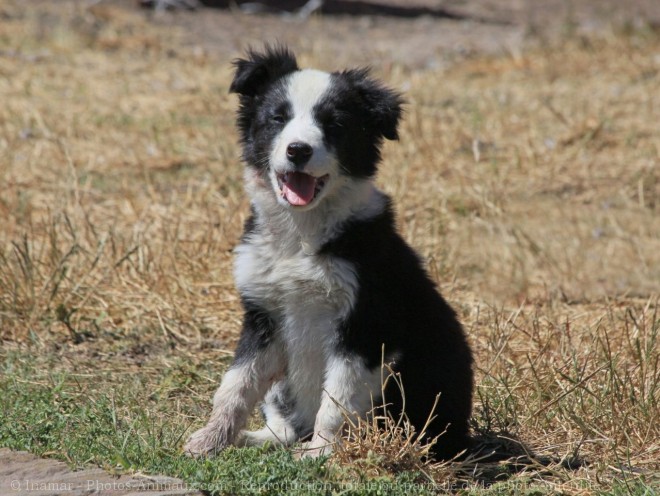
(260, 69)
(382, 105)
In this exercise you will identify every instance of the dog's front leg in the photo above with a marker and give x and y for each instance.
(347, 393)
(258, 362)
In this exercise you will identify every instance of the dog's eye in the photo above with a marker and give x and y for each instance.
(332, 126)
(333, 122)
(278, 119)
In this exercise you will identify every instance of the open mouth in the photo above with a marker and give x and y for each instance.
(300, 189)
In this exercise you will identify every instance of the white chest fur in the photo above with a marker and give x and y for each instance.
(281, 277)
(278, 267)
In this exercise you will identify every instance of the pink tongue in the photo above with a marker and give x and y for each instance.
(299, 188)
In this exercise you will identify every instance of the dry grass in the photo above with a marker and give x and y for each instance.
(382, 444)
(530, 183)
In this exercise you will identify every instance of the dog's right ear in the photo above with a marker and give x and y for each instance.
(254, 74)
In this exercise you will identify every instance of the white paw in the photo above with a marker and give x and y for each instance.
(207, 441)
(318, 446)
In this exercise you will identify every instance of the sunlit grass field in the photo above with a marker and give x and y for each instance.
(529, 182)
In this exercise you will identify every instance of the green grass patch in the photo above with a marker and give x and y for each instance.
(137, 420)
(126, 425)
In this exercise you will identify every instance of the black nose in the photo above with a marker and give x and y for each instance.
(299, 153)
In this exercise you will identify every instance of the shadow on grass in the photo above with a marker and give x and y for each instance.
(497, 456)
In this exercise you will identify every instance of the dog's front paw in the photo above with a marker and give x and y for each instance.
(318, 446)
(207, 441)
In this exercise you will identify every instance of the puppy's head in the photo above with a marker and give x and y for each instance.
(306, 133)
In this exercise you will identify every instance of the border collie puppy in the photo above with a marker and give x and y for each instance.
(327, 284)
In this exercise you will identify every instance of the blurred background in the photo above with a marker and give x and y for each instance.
(415, 33)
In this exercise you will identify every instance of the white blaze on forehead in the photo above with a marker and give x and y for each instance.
(305, 88)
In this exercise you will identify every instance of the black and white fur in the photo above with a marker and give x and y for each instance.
(326, 282)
